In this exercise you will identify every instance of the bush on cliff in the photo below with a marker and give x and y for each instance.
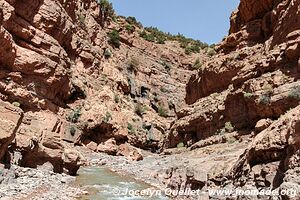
(106, 10)
(74, 115)
(197, 64)
(162, 111)
(114, 38)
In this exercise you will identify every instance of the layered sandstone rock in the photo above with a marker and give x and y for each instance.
(74, 87)
(39, 139)
(10, 120)
(249, 87)
(242, 86)
(53, 65)
(258, 21)
(34, 64)
(273, 157)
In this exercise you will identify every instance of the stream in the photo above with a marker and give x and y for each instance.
(103, 184)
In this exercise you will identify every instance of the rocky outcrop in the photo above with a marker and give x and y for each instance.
(258, 21)
(275, 149)
(250, 11)
(39, 139)
(73, 87)
(31, 56)
(10, 120)
(36, 139)
(251, 86)
(182, 178)
(58, 65)
(248, 83)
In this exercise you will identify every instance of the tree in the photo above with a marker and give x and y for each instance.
(106, 10)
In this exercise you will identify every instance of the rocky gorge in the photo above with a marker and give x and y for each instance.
(81, 86)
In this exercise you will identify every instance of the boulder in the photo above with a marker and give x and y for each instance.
(10, 120)
(72, 160)
(109, 147)
(71, 134)
(39, 141)
(46, 167)
(129, 152)
(184, 178)
(262, 125)
(92, 146)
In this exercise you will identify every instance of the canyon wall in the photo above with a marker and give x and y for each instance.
(71, 86)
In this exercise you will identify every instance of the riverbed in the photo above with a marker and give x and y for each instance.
(103, 184)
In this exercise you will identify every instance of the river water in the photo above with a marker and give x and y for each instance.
(103, 184)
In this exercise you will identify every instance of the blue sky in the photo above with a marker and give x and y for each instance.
(206, 20)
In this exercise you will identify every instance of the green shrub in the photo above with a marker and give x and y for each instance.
(163, 90)
(294, 93)
(211, 52)
(143, 34)
(212, 46)
(187, 51)
(130, 128)
(265, 99)
(133, 64)
(193, 48)
(140, 109)
(74, 115)
(156, 35)
(81, 19)
(156, 97)
(131, 20)
(162, 111)
(107, 117)
(228, 127)
(161, 40)
(114, 38)
(231, 140)
(16, 104)
(221, 132)
(117, 98)
(183, 44)
(114, 18)
(130, 28)
(148, 37)
(197, 64)
(247, 95)
(153, 34)
(180, 145)
(150, 136)
(72, 130)
(167, 66)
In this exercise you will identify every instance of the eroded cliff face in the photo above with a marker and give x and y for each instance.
(250, 85)
(63, 84)
(75, 88)
(272, 159)
(252, 82)
(38, 50)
